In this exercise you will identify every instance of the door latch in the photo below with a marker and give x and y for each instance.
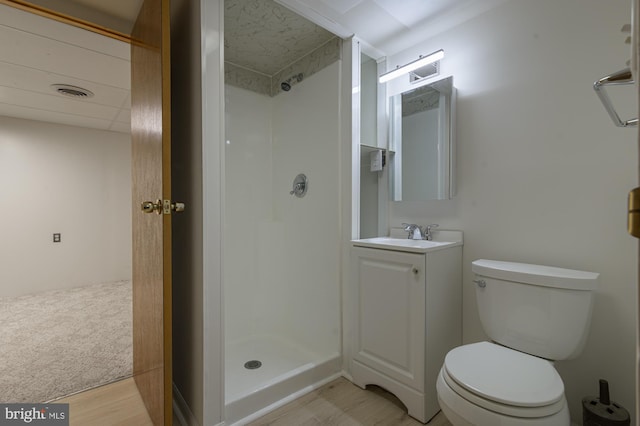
(162, 207)
(168, 207)
(633, 214)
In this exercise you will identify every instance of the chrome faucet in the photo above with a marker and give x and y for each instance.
(416, 233)
(427, 235)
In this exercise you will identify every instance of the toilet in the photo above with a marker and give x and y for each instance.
(534, 315)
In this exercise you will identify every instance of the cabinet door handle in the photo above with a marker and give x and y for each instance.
(416, 271)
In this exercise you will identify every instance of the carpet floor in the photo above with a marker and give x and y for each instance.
(58, 343)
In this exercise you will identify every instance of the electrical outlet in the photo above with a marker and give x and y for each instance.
(56, 238)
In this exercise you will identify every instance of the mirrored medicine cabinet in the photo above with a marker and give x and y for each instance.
(421, 142)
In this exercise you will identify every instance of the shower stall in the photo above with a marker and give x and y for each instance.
(281, 257)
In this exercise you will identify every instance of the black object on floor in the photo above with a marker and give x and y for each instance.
(601, 411)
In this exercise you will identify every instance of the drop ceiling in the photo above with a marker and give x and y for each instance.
(127, 10)
(387, 27)
(36, 52)
(118, 15)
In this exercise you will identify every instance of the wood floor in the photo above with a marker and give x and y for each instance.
(339, 403)
(116, 404)
(343, 403)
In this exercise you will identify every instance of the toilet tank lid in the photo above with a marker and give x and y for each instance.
(547, 276)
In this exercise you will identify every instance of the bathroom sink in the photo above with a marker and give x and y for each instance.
(404, 244)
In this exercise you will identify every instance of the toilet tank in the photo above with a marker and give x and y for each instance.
(541, 310)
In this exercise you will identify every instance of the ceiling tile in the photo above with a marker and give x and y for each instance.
(373, 23)
(116, 126)
(34, 80)
(389, 26)
(55, 102)
(48, 28)
(36, 52)
(127, 102)
(411, 12)
(42, 53)
(52, 117)
(123, 9)
(124, 116)
(340, 6)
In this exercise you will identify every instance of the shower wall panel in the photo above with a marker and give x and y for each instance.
(248, 212)
(281, 252)
(306, 134)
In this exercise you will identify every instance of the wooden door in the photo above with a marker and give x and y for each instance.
(151, 167)
(633, 213)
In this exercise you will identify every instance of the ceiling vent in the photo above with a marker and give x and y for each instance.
(72, 91)
(428, 71)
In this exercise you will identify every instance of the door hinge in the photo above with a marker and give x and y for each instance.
(633, 214)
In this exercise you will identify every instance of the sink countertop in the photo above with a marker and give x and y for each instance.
(405, 244)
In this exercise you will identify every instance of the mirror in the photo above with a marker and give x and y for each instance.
(421, 142)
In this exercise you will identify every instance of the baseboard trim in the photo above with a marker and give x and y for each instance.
(347, 375)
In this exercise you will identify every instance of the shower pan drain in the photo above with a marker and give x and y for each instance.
(253, 364)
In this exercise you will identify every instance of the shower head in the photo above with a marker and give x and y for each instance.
(288, 83)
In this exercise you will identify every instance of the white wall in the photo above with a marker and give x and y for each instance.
(68, 180)
(281, 257)
(542, 173)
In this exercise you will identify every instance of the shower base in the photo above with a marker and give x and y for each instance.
(287, 371)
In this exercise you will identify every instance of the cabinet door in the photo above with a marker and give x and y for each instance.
(390, 313)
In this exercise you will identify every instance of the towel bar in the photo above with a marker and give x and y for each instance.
(619, 78)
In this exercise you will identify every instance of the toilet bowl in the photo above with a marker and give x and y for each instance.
(488, 384)
(533, 314)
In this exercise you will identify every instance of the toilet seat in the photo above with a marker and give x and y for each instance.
(504, 380)
(461, 412)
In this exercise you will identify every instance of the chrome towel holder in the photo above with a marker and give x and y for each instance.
(620, 78)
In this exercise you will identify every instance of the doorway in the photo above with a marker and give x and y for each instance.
(65, 162)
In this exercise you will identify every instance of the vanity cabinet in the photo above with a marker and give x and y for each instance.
(407, 315)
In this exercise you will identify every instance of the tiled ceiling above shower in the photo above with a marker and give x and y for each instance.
(266, 43)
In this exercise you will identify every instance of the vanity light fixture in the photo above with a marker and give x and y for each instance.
(411, 66)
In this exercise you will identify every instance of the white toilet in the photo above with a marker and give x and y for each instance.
(533, 315)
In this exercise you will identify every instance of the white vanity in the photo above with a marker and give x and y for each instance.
(406, 307)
